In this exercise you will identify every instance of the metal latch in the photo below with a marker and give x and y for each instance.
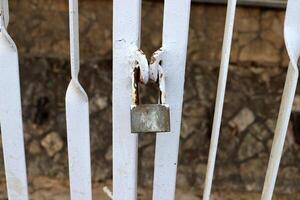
(149, 118)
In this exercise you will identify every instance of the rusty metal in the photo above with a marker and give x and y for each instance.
(149, 118)
(135, 86)
(156, 73)
(155, 64)
(139, 60)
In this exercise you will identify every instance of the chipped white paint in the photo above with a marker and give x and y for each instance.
(220, 97)
(126, 35)
(127, 14)
(156, 73)
(175, 37)
(138, 60)
(10, 113)
(292, 42)
(77, 116)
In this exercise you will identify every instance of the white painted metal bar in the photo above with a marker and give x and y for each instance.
(4, 12)
(292, 41)
(11, 113)
(220, 97)
(77, 116)
(175, 37)
(126, 35)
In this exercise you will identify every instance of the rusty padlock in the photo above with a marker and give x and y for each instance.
(148, 118)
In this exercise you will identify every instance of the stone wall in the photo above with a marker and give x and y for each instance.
(255, 82)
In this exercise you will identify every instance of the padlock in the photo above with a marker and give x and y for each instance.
(148, 118)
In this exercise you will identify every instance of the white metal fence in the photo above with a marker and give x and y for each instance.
(126, 56)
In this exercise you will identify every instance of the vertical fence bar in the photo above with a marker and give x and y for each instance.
(175, 37)
(280, 133)
(77, 117)
(220, 97)
(292, 42)
(126, 33)
(11, 113)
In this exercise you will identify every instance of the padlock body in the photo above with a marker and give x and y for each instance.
(149, 118)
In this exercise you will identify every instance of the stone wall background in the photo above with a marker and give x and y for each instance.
(255, 83)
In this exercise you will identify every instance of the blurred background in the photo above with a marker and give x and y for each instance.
(257, 72)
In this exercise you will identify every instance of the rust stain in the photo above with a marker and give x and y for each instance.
(150, 118)
(16, 185)
(135, 86)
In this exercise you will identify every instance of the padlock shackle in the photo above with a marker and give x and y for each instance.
(149, 118)
(135, 80)
(142, 72)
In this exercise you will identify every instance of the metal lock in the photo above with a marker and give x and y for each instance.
(148, 118)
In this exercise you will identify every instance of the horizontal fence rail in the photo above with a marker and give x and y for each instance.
(260, 3)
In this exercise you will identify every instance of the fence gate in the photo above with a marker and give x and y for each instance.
(126, 54)
(130, 68)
